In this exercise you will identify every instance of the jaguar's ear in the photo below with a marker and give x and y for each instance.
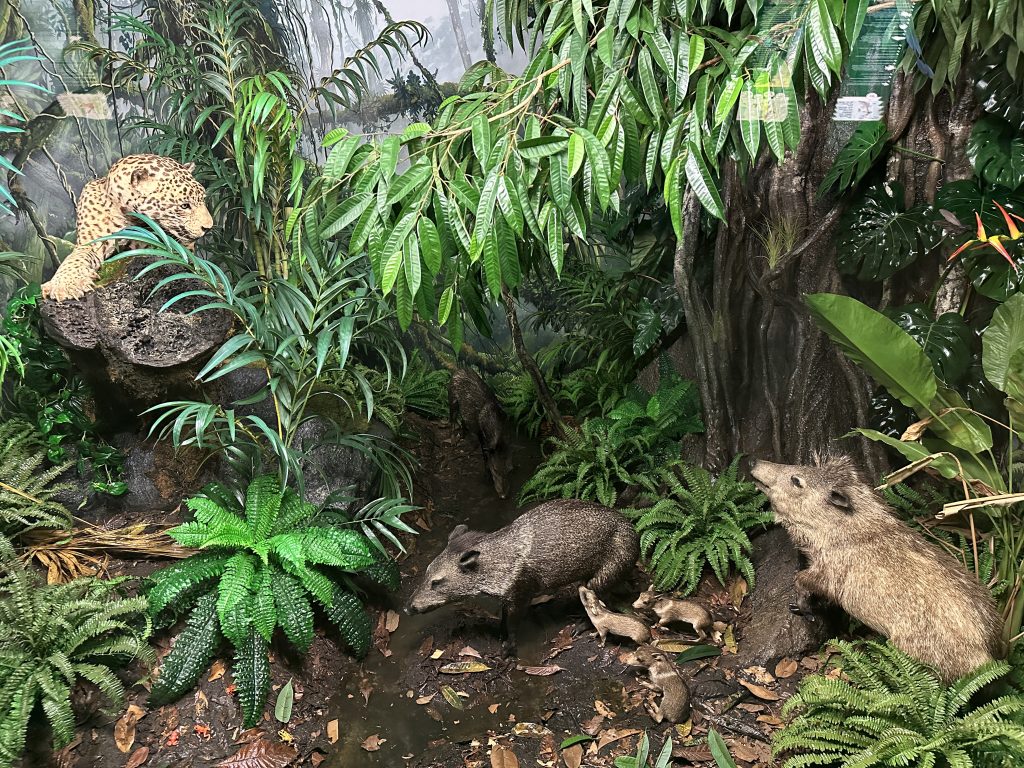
(144, 180)
(189, 167)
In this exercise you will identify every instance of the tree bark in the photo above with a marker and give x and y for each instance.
(460, 33)
(530, 365)
(772, 384)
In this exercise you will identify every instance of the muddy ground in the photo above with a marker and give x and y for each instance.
(400, 707)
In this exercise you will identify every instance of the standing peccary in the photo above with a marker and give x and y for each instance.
(555, 544)
(670, 610)
(472, 404)
(880, 570)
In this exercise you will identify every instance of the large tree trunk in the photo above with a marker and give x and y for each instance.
(772, 384)
(460, 33)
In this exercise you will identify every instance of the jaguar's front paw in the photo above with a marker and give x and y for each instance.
(72, 284)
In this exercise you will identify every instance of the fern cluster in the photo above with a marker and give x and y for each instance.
(687, 519)
(595, 463)
(53, 636)
(27, 491)
(638, 436)
(886, 709)
(264, 566)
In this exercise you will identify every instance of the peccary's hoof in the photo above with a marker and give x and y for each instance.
(796, 609)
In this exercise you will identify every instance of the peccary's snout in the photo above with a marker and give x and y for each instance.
(764, 474)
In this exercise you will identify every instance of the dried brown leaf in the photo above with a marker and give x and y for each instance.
(217, 670)
(786, 668)
(260, 754)
(470, 651)
(372, 743)
(426, 699)
(139, 756)
(611, 735)
(760, 691)
(462, 667)
(503, 757)
(573, 756)
(391, 621)
(602, 709)
(332, 731)
(124, 728)
(544, 671)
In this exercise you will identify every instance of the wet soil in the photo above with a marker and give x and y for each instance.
(402, 706)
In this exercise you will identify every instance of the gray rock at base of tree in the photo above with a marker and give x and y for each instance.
(329, 468)
(239, 385)
(159, 478)
(133, 354)
(774, 631)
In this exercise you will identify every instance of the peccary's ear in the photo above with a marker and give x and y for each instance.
(457, 531)
(469, 560)
(839, 499)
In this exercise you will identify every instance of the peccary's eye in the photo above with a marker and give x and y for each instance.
(797, 481)
(435, 583)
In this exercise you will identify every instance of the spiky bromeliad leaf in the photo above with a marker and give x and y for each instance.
(192, 652)
(880, 236)
(889, 710)
(351, 619)
(692, 519)
(252, 676)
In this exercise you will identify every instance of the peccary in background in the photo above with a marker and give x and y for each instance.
(880, 570)
(472, 404)
(555, 544)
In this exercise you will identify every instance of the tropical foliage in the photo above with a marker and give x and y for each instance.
(950, 437)
(29, 485)
(54, 637)
(264, 565)
(887, 709)
(688, 519)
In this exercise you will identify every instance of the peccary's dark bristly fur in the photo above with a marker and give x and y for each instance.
(880, 570)
(553, 545)
(472, 404)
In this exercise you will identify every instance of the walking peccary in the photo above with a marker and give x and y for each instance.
(670, 609)
(665, 678)
(553, 545)
(472, 404)
(880, 570)
(610, 623)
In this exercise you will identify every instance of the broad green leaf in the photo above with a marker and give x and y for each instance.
(699, 178)
(576, 154)
(1001, 342)
(996, 150)
(285, 702)
(873, 341)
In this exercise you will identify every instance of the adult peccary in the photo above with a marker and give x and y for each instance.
(880, 570)
(555, 544)
(472, 404)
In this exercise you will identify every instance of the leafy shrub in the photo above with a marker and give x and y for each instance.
(47, 390)
(26, 496)
(595, 463)
(692, 519)
(425, 389)
(889, 710)
(640, 433)
(518, 397)
(264, 566)
(53, 636)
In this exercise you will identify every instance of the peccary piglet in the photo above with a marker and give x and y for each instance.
(878, 569)
(664, 678)
(553, 545)
(670, 610)
(610, 623)
(472, 404)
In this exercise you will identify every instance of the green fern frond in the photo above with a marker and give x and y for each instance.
(294, 612)
(192, 652)
(252, 677)
(348, 615)
(27, 495)
(53, 635)
(690, 519)
(890, 710)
